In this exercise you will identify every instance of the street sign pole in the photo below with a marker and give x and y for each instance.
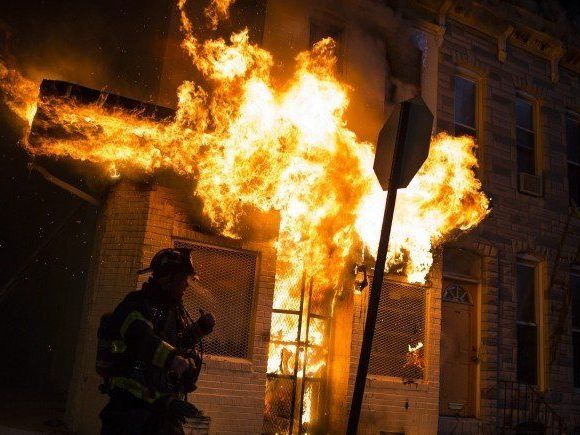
(375, 293)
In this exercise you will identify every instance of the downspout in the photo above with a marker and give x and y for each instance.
(64, 185)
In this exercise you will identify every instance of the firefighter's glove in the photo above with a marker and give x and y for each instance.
(205, 323)
(188, 379)
(183, 409)
(181, 365)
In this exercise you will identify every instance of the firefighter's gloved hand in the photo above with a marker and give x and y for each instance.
(206, 322)
(188, 380)
(180, 365)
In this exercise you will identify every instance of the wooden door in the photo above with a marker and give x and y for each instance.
(458, 350)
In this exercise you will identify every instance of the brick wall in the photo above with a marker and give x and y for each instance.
(117, 256)
(519, 224)
(136, 222)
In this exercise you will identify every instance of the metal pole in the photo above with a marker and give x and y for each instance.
(297, 355)
(375, 292)
(64, 185)
(303, 386)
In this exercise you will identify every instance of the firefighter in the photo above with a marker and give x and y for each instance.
(146, 352)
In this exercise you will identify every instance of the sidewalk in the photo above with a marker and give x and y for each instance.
(28, 412)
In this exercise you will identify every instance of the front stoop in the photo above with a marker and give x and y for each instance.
(460, 426)
(197, 426)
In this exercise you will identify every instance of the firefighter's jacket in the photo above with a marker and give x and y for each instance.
(150, 333)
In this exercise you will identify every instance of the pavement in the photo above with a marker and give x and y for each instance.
(29, 412)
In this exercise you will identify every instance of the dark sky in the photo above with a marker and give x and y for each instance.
(105, 43)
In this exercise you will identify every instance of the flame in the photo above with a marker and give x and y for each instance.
(443, 197)
(19, 93)
(416, 347)
(414, 358)
(249, 144)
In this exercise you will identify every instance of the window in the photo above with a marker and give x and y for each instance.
(575, 291)
(528, 323)
(398, 344)
(227, 279)
(525, 136)
(464, 107)
(573, 145)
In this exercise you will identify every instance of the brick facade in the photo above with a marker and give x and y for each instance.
(116, 258)
(139, 219)
(519, 224)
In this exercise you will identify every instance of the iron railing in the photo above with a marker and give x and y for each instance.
(524, 410)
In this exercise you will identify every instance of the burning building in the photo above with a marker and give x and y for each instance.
(264, 170)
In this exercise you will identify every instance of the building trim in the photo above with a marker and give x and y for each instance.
(507, 23)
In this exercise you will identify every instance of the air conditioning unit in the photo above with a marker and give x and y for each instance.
(530, 184)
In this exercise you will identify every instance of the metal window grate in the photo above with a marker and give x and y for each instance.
(400, 324)
(225, 289)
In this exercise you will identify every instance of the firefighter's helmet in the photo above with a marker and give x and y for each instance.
(171, 260)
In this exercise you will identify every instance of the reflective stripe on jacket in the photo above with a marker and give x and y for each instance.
(147, 355)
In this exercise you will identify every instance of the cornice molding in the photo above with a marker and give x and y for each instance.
(571, 59)
(504, 23)
(540, 44)
(432, 29)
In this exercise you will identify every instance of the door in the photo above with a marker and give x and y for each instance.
(458, 350)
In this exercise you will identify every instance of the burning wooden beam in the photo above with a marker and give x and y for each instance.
(55, 92)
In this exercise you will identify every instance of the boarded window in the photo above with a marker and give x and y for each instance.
(525, 137)
(527, 326)
(573, 147)
(400, 324)
(226, 286)
(464, 107)
(575, 291)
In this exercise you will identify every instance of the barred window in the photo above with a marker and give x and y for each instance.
(399, 329)
(227, 280)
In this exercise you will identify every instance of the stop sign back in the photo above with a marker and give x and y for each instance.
(409, 126)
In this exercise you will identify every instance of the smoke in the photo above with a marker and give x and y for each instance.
(111, 45)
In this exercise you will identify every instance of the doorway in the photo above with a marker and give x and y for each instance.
(458, 349)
